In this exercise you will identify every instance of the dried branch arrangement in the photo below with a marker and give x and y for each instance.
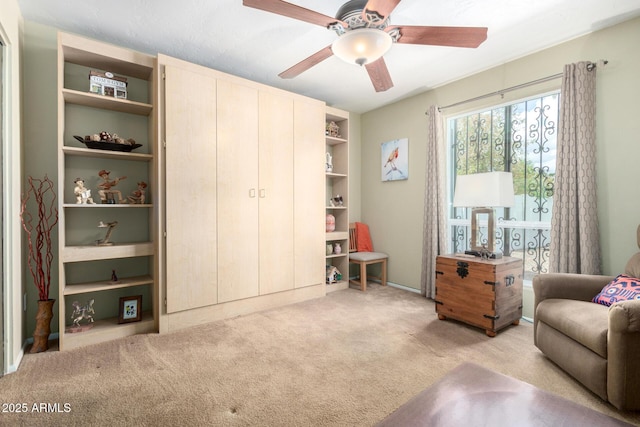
(42, 192)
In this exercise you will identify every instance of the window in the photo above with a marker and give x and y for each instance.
(519, 138)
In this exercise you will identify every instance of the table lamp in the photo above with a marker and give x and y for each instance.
(483, 192)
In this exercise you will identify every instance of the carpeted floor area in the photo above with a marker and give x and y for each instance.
(348, 359)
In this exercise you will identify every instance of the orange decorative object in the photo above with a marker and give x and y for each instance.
(363, 238)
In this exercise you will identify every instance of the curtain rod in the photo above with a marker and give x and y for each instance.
(590, 67)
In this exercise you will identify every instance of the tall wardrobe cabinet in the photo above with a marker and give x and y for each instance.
(242, 219)
(190, 203)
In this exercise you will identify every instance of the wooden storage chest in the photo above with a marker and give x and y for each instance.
(483, 293)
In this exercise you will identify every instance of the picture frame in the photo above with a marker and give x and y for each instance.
(394, 156)
(130, 309)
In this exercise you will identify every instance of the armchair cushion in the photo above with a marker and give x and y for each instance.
(581, 321)
(622, 288)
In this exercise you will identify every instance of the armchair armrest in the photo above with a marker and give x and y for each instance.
(624, 317)
(581, 287)
(623, 347)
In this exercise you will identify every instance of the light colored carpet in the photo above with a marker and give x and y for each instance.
(348, 359)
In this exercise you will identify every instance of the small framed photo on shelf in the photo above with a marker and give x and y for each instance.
(130, 309)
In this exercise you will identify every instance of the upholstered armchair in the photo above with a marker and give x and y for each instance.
(598, 345)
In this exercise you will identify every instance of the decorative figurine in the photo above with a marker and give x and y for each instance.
(329, 163)
(109, 226)
(333, 275)
(82, 312)
(114, 277)
(137, 197)
(331, 223)
(337, 248)
(336, 201)
(333, 130)
(83, 194)
(105, 188)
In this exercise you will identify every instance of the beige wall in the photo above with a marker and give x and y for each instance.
(40, 105)
(10, 29)
(394, 209)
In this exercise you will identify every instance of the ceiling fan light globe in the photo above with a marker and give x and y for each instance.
(362, 46)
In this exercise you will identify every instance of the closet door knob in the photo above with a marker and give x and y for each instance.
(263, 193)
(252, 193)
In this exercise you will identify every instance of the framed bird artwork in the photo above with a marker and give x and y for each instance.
(395, 159)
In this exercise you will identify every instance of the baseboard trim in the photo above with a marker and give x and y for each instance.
(13, 368)
(392, 284)
(404, 288)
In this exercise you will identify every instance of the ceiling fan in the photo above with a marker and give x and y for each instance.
(365, 35)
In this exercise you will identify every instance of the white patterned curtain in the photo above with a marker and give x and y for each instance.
(434, 232)
(575, 244)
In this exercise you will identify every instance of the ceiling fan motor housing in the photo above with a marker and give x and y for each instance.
(351, 14)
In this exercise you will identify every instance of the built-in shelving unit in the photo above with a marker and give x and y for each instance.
(86, 269)
(337, 183)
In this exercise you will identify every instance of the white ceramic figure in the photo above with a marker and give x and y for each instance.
(329, 163)
(83, 194)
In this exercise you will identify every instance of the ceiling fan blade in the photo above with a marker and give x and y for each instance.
(292, 11)
(441, 36)
(382, 7)
(379, 75)
(307, 63)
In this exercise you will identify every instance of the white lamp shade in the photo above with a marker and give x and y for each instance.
(361, 46)
(490, 189)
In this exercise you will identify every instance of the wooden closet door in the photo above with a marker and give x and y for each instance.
(237, 177)
(190, 168)
(309, 193)
(276, 192)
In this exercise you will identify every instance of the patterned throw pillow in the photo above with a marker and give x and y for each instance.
(622, 288)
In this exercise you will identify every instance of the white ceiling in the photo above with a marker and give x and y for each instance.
(257, 45)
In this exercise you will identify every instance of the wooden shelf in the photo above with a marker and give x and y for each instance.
(344, 254)
(332, 140)
(106, 57)
(107, 330)
(106, 154)
(337, 235)
(93, 100)
(337, 207)
(336, 175)
(127, 282)
(95, 253)
(105, 205)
